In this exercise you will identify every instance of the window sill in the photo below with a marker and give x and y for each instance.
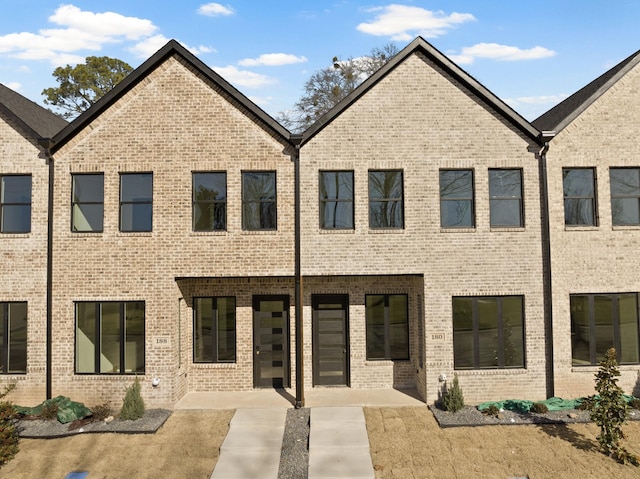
(625, 227)
(14, 235)
(591, 368)
(384, 362)
(259, 232)
(208, 233)
(507, 229)
(457, 230)
(345, 231)
(581, 228)
(125, 234)
(386, 231)
(490, 372)
(215, 365)
(86, 234)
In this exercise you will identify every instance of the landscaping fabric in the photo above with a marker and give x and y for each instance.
(68, 410)
(523, 406)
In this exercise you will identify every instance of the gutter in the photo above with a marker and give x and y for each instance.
(299, 402)
(546, 262)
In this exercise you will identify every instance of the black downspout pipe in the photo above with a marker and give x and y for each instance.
(47, 144)
(296, 139)
(546, 268)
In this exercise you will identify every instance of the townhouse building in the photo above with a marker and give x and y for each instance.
(419, 229)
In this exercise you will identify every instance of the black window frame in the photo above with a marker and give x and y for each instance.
(122, 339)
(457, 198)
(632, 195)
(571, 220)
(325, 201)
(219, 205)
(6, 204)
(268, 203)
(7, 346)
(594, 359)
(387, 219)
(495, 199)
(215, 331)
(75, 203)
(500, 326)
(133, 202)
(387, 355)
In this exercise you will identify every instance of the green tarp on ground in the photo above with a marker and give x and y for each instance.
(524, 406)
(68, 410)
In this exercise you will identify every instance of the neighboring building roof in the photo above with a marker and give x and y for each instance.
(170, 49)
(566, 111)
(38, 122)
(424, 47)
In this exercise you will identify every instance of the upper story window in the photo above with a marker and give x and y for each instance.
(136, 201)
(15, 204)
(13, 338)
(214, 330)
(625, 196)
(259, 200)
(209, 203)
(505, 198)
(579, 185)
(387, 326)
(336, 200)
(603, 321)
(386, 199)
(456, 199)
(488, 332)
(87, 202)
(110, 337)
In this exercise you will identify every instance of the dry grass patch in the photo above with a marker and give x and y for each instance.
(407, 443)
(187, 445)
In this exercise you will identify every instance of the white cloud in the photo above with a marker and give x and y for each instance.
(272, 59)
(215, 10)
(403, 23)
(495, 51)
(149, 46)
(14, 85)
(536, 100)
(244, 78)
(82, 30)
(261, 101)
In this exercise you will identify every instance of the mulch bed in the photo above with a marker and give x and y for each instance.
(152, 420)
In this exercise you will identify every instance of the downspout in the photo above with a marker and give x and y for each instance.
(47, 143)
(546, 265)
(297, 139)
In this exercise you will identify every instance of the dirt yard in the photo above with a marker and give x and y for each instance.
(407, 443)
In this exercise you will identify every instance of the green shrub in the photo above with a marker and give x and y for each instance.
(609, 410)
(491, 410)
(133, 404)
(49, 411)
(9, 438)
(101, 411)
(539, 408)
(453, 400)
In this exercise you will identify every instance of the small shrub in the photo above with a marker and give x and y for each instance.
(585, 405)
(539, 408)
(101, 411)
(609, 410)
(453, 400)
(49, 411)
(492, 410)
(9, 437)
(133, 404)
(635, 403)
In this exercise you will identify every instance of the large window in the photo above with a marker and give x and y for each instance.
(259, 200)
(603, 321)
(214, 330)
(579, 185)
(136, 201)
(110, 337)
(336, 200)
(488, 332)
(625, 196)
(13, 338)
(505, 198)
(387, 326)
(15, 204)
(456, 199)
(386, 199)
(209, 201)
(87, 202)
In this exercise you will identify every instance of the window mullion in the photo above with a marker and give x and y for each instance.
(214, 329)
(387, 328)
(4, 346)
(501, 360)
(476, 333)
(123, 337)
(617, 340)
(592, 330)
(98, 345)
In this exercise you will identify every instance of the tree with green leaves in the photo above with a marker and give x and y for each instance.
(81, 86)
(327, 87)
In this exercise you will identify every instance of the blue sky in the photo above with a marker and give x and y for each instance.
(530, 54)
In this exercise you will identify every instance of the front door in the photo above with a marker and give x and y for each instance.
(271, 341)
(330, 340)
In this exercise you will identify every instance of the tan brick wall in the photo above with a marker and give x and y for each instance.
(601, 259)
(420, 120)
(23, 257)
(171, 124)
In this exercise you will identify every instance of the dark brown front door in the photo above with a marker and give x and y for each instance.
(330, 340)
(271, 341)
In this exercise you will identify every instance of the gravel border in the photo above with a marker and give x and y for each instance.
(152, 420)
(471, 416)
(294, 458)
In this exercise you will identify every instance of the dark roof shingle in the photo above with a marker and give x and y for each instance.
(37, 121)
